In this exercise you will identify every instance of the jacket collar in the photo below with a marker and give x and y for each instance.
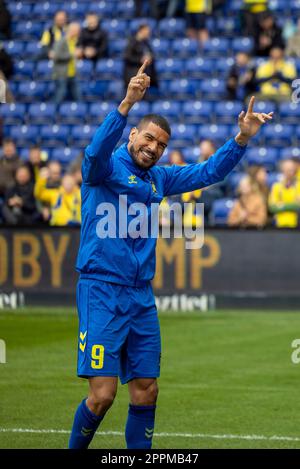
(125, 156)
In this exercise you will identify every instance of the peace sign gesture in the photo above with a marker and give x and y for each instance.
(250, 121)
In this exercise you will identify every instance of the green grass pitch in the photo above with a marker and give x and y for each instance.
(227, 381)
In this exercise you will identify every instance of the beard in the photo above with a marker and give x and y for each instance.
(142, 158)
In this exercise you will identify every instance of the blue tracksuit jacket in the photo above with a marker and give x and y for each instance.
(107, 175)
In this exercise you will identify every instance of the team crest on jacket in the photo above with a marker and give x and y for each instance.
(132, 179)
(153, 186)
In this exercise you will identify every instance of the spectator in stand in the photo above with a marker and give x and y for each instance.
(64, 202)
(293, 45)
(64, 55)
(54, 175)
(284, 200)
(137, 51)
(259, 176)
(253, 10)
(174, 7)
(268, 35)
(250, 209)
(5, 21)
(197, 12)
(6, 72)
(19, 203)
(176, 157)
(92, 44)
(241, 78)
(37, 159)
(274, 77)
(53, 34)
(9, 161)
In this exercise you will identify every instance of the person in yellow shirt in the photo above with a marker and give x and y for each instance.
(53, 34)
(274, 77)
(284, 199)
(64, 55)
(252, 11)
(196, 15)
(64, 202)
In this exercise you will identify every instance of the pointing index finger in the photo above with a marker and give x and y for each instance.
(143, 67)
(251, 105)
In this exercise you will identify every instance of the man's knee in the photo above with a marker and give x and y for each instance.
(143, 391)
(101, 396)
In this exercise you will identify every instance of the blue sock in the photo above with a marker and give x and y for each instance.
(84, 427)
(140, 426)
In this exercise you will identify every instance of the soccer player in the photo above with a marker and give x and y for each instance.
(119, 333)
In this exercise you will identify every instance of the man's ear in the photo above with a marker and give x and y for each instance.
(134, 131)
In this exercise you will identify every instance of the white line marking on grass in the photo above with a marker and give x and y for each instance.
(162, 435)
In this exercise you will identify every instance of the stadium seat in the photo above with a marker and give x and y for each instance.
(98, 111)
(41, 113)
(169, 68)
(72, 113)
(65, 155)
(20, 10)
(278, 135)
(268, 157)
(115, 27)
(25, 134)
(13, 113)
(171, 28)
(199, 67)
(197, 112)
(289, 112)
(169, 109)
(233, 180)
(182, 89)
(183, 135)
(217, 47)
(29, 91)
(85, 69)
(125, 9)
(139, 110)
(27, 30)
(82, 134)
(272, 178)
(185, 47)
(117, 47)
(44, 69)
(14, 48)
(31, 49)
(191, 154)
(115, 89)
(227, 111)
(109, 69)
(136, 22)
(290, 152)
(220, 211)
(45, 11)
(23, 70)
(53, 135)
(212, 89)
(105, 9)
(216, 133)
(93, 89)
(227, 26)
(74, 10)
(242, 44)
(161, 47)
(222, 65)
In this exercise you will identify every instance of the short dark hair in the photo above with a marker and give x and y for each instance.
(156, 119)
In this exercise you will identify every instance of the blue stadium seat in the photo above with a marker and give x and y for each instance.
(197, 112)
(44, 69)
(20, 10)
(233, 180)
(93, 89)
(53, 135)
(290, 152)
(98, 111)
(185, 47)
(266, 156)
(222, 65)
(278, 135)
(115, 27)
(115, 89)
(228, 111)
(72, 113)
(199, 67)
(171, 28)
(169, 109)
(105, 9)
(28, 30)
(85, 69)
(14, 48)
(242, 44)
(289, 112)
(227, 26)
(109, 69)
(117, 47)
(65, 155)
(217, 133)
(217, 47)
(82, 134)
(183, 135)
(136, 22)
(32, 49)
(272, 178)
(74, 10)
(161, 47)
(23, 70)
(29, 91)
(265, 106)
(169, 68)
(220, 211)
(24, 134)
(140, 109)
(13, 113)
(41, 113)
(213, 89)
(125, 9)
(183, 89)
(191, 154)
(45, 11)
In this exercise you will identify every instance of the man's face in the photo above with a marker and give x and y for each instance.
(147, 145)
(92, 21)
(144, 33)
(60, 19)
(242, 59)
(206, 150)
(22, 176)
(276, 53)
(35, 155)
(289, 169)
(9, 149)
(55, 172)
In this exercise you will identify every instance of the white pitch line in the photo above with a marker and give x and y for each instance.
(162, 435)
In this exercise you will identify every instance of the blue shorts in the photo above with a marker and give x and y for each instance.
(119, 333)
